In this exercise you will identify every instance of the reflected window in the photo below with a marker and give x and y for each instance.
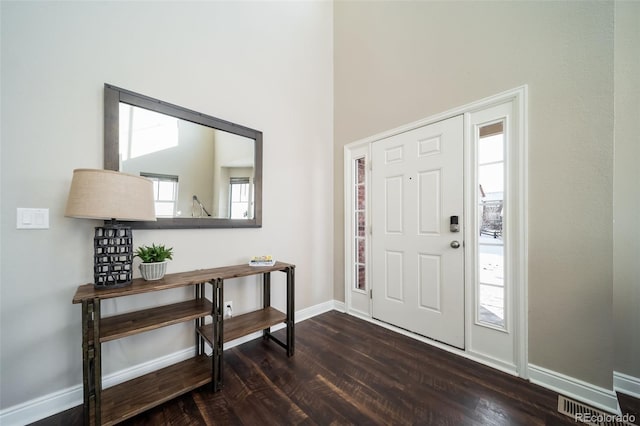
(165, 193)
(239, 190)
(490, 165)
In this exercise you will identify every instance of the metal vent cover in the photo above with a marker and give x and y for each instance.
(583, 413)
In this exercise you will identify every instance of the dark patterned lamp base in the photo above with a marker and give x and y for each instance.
(113, 255)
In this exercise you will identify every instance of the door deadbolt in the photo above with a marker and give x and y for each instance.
(453, 224)
(455, 244)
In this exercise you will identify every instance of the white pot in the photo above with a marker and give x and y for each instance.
(153, 271)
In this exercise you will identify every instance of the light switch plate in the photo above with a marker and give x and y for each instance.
(32, 218)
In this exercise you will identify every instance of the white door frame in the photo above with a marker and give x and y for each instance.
(516, 176)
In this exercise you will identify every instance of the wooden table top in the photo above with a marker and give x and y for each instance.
(180, 279)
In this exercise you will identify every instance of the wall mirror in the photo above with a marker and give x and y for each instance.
(207, 172)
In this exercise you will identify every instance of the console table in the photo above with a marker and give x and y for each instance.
(115, 404)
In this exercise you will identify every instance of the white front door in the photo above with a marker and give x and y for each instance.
(417, 273)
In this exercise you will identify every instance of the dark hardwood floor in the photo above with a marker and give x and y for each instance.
(348, 371)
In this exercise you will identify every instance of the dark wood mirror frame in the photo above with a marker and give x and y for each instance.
(112, 98)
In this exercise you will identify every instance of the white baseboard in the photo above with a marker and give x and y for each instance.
(62, 400)
(42, 407)
(588, 393)
(626, 384)
(146, 367)
(56, 402)
(339, 306)
(315, 310)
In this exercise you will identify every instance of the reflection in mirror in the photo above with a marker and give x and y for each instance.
(197, 171)
(206, 172)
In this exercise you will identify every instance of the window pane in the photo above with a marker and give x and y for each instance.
(239, 211)
(491, 168)
(361, 247)
(491, 288)
(359, 231)
(491, 261)
(360, 168)
(360, 202)
(155, 188)
(360, 224)
(490, 149)
(491, 219)
(244, 192)
(165, 190)
(360, 279)
(239, 203)
(491, 178)
(491, 305)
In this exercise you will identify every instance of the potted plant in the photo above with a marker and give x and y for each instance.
(154, 261)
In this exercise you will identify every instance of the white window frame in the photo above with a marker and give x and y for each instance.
(235, 182)
(157, 178)
(357, 302)
(475, 134)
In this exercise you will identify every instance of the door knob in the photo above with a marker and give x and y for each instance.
(455, 244)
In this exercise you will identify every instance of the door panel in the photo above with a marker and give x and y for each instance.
(417, 277)
(429, 202)
(394, 204)
(394, 282)
(430, 281)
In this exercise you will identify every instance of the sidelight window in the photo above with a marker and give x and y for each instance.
(491, 220)
(359, 222)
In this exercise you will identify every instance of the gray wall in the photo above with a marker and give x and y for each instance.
(626, 190)
(266, 65)
(398, 62)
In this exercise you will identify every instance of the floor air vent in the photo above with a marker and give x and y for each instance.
(583, 413)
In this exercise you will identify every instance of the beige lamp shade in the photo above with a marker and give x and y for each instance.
(106, 194)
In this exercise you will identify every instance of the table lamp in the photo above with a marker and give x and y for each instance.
(114, 197)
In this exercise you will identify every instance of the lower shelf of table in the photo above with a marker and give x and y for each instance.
(244, 324)
(135, 396)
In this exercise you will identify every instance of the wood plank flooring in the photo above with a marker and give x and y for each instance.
(348, 371)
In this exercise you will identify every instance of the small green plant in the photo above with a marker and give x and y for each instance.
(155, 253)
